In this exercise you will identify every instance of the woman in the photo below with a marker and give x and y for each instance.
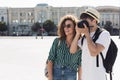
(61, 64)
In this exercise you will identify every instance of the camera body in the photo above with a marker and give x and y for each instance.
(80, 24)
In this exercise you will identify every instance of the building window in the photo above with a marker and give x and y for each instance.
(102, 23)
(15, 21)
(29, 14)
(24, 21)
(107, 16)
(33, 21)
(20, 14)
(2, 18)
(29, 21)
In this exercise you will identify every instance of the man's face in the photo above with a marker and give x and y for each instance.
(91, 22)
(89, 19)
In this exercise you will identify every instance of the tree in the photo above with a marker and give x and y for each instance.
(3, 27)
(108, 26)
(48, 25)
(35, 27)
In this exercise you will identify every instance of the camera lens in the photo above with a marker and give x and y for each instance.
(80, 24)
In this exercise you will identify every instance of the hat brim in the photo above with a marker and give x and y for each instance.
(91, 16)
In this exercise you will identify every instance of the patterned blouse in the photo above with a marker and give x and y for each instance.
(60, 55)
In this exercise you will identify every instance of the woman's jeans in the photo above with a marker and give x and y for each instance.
(63, 73)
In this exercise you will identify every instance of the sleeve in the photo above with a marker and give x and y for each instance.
(52, 51)
(79, 59)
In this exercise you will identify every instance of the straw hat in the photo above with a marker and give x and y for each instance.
(93, 13)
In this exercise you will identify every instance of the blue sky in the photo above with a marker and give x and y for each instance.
(59, 3)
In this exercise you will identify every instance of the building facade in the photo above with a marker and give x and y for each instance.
(110, 13)
(20, 20)
(4, 15)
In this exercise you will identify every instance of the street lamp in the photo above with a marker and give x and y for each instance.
(119, 22)
(41, 15)
(41, 27)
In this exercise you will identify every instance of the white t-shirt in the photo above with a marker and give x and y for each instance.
(89, 69)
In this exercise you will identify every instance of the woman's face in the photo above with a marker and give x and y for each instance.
(69, 28)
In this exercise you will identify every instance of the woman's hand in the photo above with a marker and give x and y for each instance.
(50, 66)
(79, 73)
(50, 78)
(79, 79)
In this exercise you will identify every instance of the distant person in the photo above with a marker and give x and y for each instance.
(89, 48)
(61, 64)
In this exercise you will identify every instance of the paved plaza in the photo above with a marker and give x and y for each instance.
(23, 58)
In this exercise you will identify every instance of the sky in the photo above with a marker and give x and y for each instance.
(59, 3)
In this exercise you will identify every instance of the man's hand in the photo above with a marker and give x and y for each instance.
(84, 30)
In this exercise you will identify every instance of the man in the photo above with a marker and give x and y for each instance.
(89, 48)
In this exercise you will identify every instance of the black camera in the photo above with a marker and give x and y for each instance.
(80, 24)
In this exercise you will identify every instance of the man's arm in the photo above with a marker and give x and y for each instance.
(94, 48)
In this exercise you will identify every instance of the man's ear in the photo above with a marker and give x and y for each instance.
(95, 21)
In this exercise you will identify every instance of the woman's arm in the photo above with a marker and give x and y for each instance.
(74, 44)
(79, 72)
(51, 59)
(50, 70)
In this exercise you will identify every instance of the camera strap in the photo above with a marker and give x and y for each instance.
(95, 36)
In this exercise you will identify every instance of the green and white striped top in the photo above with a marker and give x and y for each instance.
(60, 55)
